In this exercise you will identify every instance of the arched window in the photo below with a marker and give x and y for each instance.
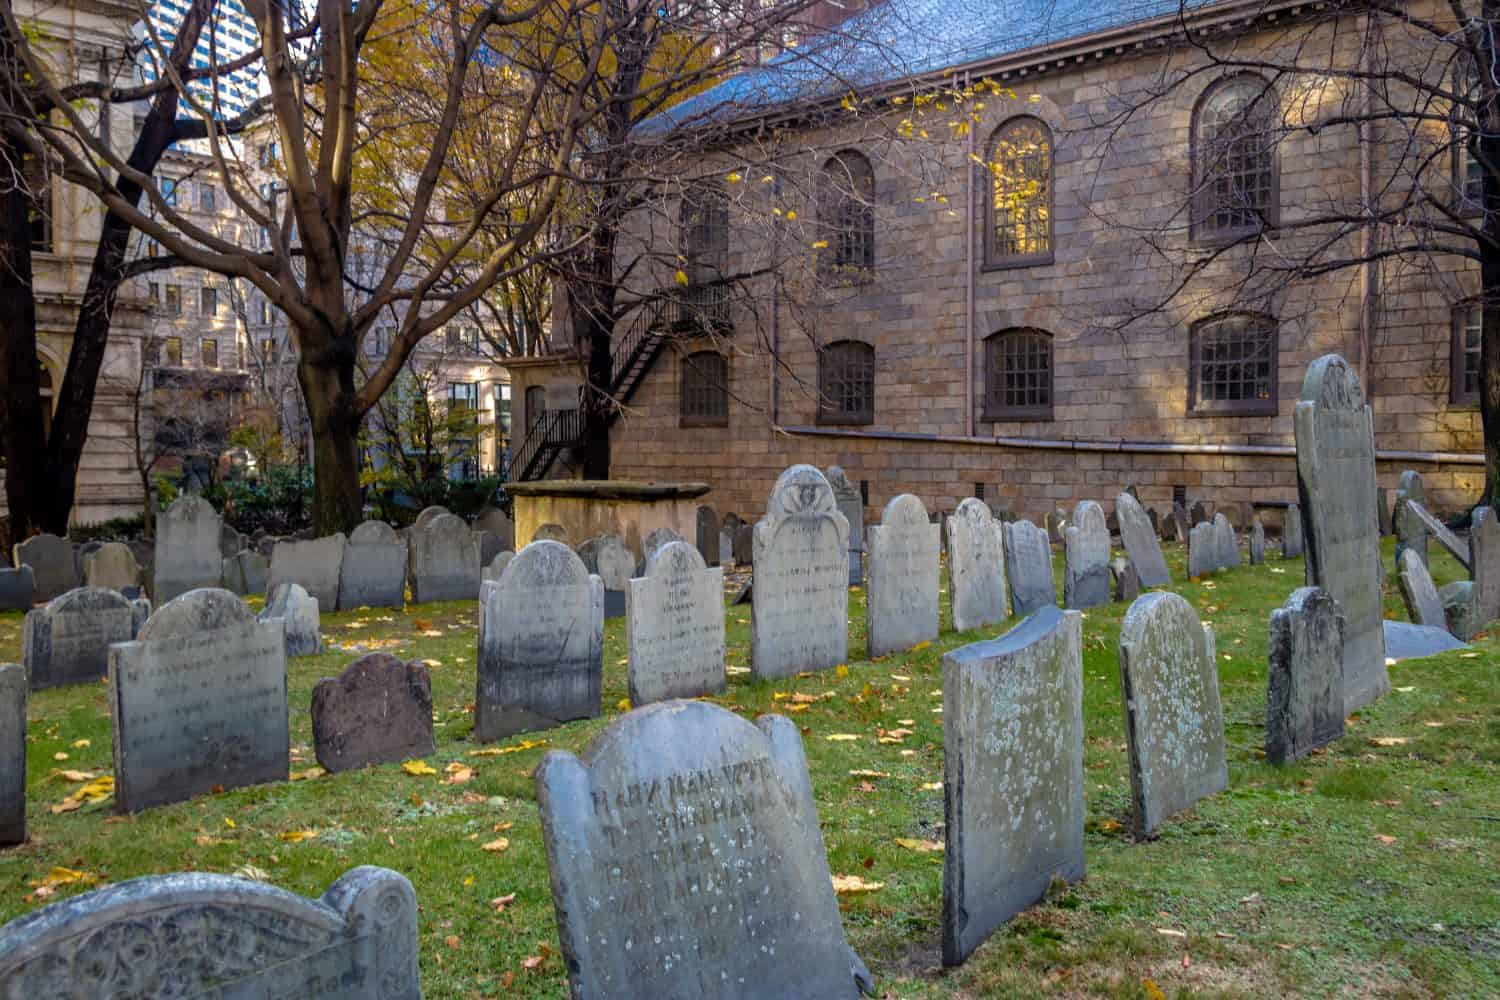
(704, 401)
(1018, 375)
(846, 210)
(1233, 365)
(1019, 209)
(846, 382)
(1235, 180)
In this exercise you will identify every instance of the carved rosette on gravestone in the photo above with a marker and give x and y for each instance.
(1138, 535)
(707, 525)
(1423, 604)
(1336, 483)
(111, 565)
(1226, 543)
(17, 589)
(377, 711)
(1028, 568)
(298, 610)
(1174, 725)
(51, 562)
(12, 754)
(799, 616)
(1127, 581)
(373, 573)
(901, 600)
(187, 552)
(714, 884)
(1409, 530)
(199, 935)
(1484, 563)
(976, 566)
(1291, 532)
(1086, 557)
(443, 561)
(1305, 686)
(1257, 542)
(674, 619)
(1203, 550)
(67, 640)
(314, 565)
(1012, 774)
(851, 503)
(608, 559)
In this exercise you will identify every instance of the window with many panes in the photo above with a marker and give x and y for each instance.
(1468, 328)
(1232, 365)
(705, 390)
(209, 350)
(1018, 375)
(1235, 180)
(846, 383)
(846, 210)
(1019, 208)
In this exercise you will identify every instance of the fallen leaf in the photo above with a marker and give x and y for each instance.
(497, 845)
(844, 885)
(418, 768)
(920, 846)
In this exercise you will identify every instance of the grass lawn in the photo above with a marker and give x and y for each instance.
(1368, 870)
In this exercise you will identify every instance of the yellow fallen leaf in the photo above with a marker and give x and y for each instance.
(418, 768)
(497, 845)
(298, 836)
(844, 885)
(920, 846)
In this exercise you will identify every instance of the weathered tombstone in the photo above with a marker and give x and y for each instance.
(490, 545)
(1056, 522)
(850, 503)
(541, 644)
(674, 622)
(187, 553)
(1407, 641)
(1086, 558)
(1203, 550)
(17, 589)
(1174, 726)
(976, 566)
(1257, 542)
(67, 640)
(551, 532)
(1484, 563)
(373, 573)
(1336, 482)
(314, 565)
(298, 610)
(12, 754)
(111, 565)
(607, 558)
(744, 545)
(246, 572)
(196, 934)
(230, 540)
(716, 883)
(427, 515)
(707, 525)
(1423, 604)
(496, 522)
(377, 711)
(1138, 535)
(51, 562)
(1305, 682)
(1127, 580)
(497, 566)
(1013, 774)
(901, 600)
(1226, 544)
(443, 561)
(1197, 514)
(1438, 530)
(1028, 568)
(1291, 532)
(1460, 613)
(198, 702)
(1409, 530)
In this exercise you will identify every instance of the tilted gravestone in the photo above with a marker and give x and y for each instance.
(550, 532)
(373, 573)
(67, 640)
(541, 644)
(1305, 685)
(607, 558)
(498, 523)
(1226, 544)
(111, 565)
(378, 710)
(314, 565)
(1291, 532)
(1012, 774)
(17, 589)
(246, 572)
(12, 754)
(1086, 558)
(1028, 568)
(674, 620)
(198, 702)
(1138, 535)
(1127, 581)
(1456, 546)
(707, 537)
(1423, 603)
(299, 612)
(1484, 563)
(51, 560)
(200, 935)
(851, 503)
(187, 552)
(442, 561)
(1174, 726)
(681, 873)
(1257, 542)
(901, 599)
(427, 516)
(1409, 530)
(1336, 483)
(976, 566)
(1203, 550)
(800, 602)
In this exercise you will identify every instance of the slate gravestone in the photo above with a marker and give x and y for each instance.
(901, 599)
(674, 620)
(1138, 535)
(67, 640)
(199, 935)
(1291, 532)
(1336, 483)
(1456, 547)
(377, 711)
(1460, 613)
(1305, 686)
(1012, 774)
(707, 525)
(443, 561)
(298, 610)
(1484, 563)
(198, 702)
(849, 501)
(607, 558)
(1174, 726)
(187, 549)
(1409, 530)
(314, 565)
(497, 566)
(1406, 641)
(246, 572)
(550, 532)
(490, 545)
(496, 522)
(427, 516)
(12, 755)
(1086, 557)
(678, 872)
(1257, 542)
(1203, 550)
(744, 545)
(51, 562)
(541, 644)
(17, 589)
(1423, 604)
(1226, 545)
(373, 572)
(112, 565)
(1127, 581)
(800, 603)
(976, 566)
(1028, 568)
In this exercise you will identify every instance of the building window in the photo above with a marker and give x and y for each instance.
(207, 198)
(846, 209)
(174, 300)
(1232, 367)
(209, 349)
(172, 352)
(169, 190)
(1018, 375)
(705, 390)
(1020, 203)
(846, 382)
(1468, 331)
(1235, 181)
(208, 301)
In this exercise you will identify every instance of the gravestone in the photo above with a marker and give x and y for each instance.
(1138, 535)
(1291, 532)
(1257, 542)
(1086, 558)
(427, 516)
(674, 622)
(1423, 604)
(442, 561)
(67, 640)
(1336, 483)
(1406, 641)
(1484, 563)
(490, 545)
(901, 599)
(198, 702)
(314, 565)
(298, 610)
(744, 546)
(1127, 581)
(373, 573)
(1203, 550)
(799, 616)
(187, 549)
(497, 566)
(976, 566)
(1460, 613)
(541, 644)
(1409, 530)
(1174, 726)
(607, 558)
(17, 589)
(677, 873)
(550, 532)
(377, 711)
(111, 565)
(707, 525)
(12, 754)
(1226, 544)
(850, 503)
(1456, 547)
(496, 522)
(200, 935)
(1012, 774)
(1305, 685)
(246, 572)
(1028, 568)
(51, 562)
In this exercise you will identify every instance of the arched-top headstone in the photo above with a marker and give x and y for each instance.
(800, 599)
(976, 566)
(200, 610)
(1086, 557)
(901, 602)
(187, 554)
(674, 617)
(801, 489)
(51, 562)
(443, 561)
(67, 640)
(427, 514)
(1140, 538)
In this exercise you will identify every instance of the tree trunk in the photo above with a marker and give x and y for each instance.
(20, 380)
(327, 381)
